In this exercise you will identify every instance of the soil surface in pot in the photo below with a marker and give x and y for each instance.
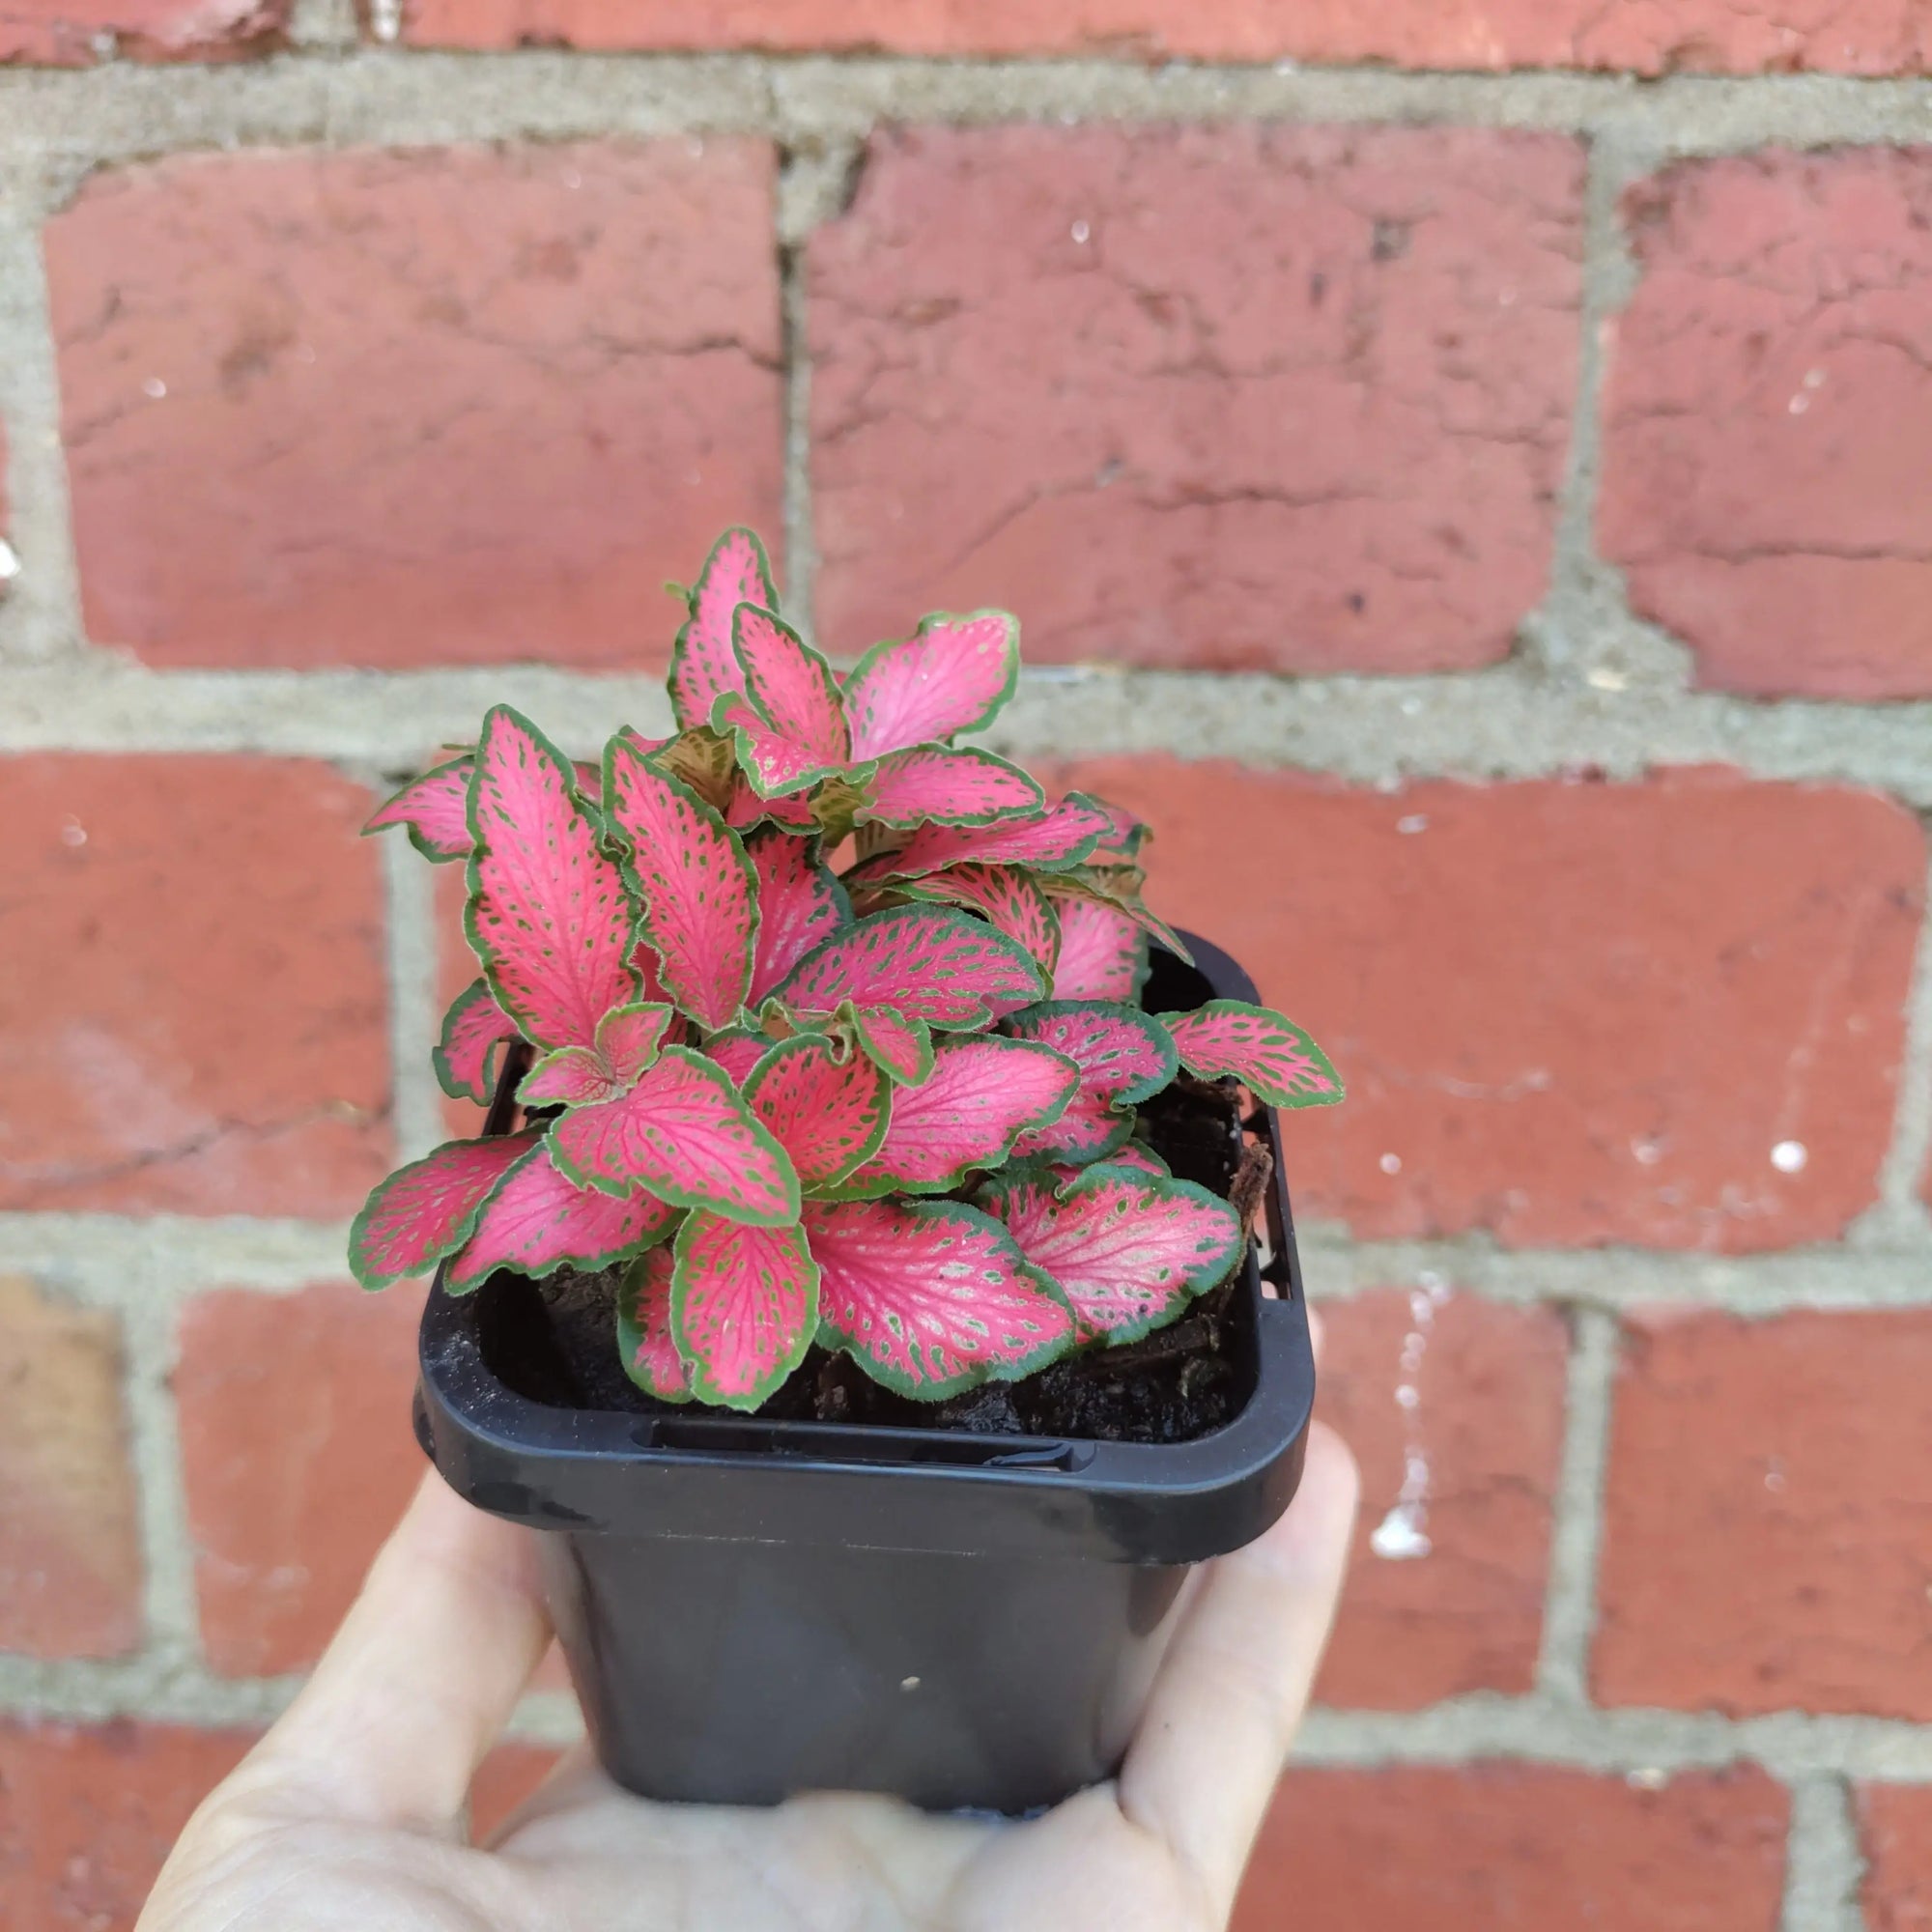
(555, 1343)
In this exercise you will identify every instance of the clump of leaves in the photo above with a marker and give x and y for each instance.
(890, 1108)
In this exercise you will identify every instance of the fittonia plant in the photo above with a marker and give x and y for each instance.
(891, 1109)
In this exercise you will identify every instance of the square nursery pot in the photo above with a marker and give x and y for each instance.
(753, 1608)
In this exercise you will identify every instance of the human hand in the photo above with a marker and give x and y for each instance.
(351, 1814)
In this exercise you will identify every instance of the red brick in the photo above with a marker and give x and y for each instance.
(1896, 1835)
(87, 1815)
(1571, 1013)
(69, 1537)
(199, 1013)
(435, 406)
(1865, 37)
(1289, 399)
(1479, 1448)
(1770, 419)
(508, 1776)
(1762, 1528)
(298, 1458)
(77, 32)
(1518, 1848)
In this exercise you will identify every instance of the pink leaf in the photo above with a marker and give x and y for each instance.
(901, 1048)
(747, 810)
(930, 1296)
(924, 962)
(800, 902)
(1127, 834)
(435, 808)
(644, 1340)
(536, 1221)
(744, 1307)
(983, 1093)
(1135, 1154)
(685, 1133)
(1127, 1249)
(1125, 1057)
(931, 784)
(1102, 952)
(426, 1210)
(737, 1050)
(952, 674)
(473, 1030)
(1119, 888)
(1009, 897)
(789, 723)
(703, 666)
(627, 1042)
(546, 914)
(698, 889)
(1051, 842)
(1277, 1063)
(829, 1114)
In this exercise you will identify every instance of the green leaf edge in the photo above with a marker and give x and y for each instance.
(629, 1335)
(438, 1058)
(999, 814)
(930, 622)
(1270, 1096)
(374, 1280)
(832, 1337)
(422, 844)
(827, 676)
(1135, 1016)
(680, 648)
(757, 1076)
(702, 1388)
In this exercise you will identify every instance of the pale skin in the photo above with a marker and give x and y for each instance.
(350, 1813)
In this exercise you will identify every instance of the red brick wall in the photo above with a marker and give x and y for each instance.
(1477, 506)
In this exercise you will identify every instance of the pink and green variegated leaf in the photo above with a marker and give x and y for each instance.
(1272, 1057)
(703, 759)
(924, 962)
(930, 784)
(645, 1343)
(429, 1209)
(703, 666)
(789, 723)
(745, 808)
(685, 1133)
(548, 914)
(436, 809)
(1009, 897)
(1127, 1249)
(1125, 1057)
(744, 1307)
(827, 1110)
(1051, 842)
(628, 1038)
(1141, 1158)
(465, 1058)
(952, 674)
(1103, 955)
(698, 889)
(737, 1050)
(1118, 887)
(1122, 843)
(900, 1047)
(537, 1221)
(983, 1092)
(799, 903)
(930, 1296)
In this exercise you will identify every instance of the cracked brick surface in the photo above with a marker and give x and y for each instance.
(77, 32)
(1233, 397)
(425, 406)
(1453, 1408)
(1874, 37)
(1768, 421)
(1763, 1545)
(1568, 1013)
(196, 1002)
(1518, 1848)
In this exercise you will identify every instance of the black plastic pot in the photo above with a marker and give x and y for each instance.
(752, 1608)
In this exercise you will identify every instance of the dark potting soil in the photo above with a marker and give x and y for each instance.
(1179, 1382)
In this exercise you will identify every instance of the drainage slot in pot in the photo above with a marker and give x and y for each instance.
(823, 1443)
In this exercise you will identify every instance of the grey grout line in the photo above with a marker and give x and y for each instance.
(1570, 1596)
(1824, 1865)
(415, 1015)
(1909, 1159)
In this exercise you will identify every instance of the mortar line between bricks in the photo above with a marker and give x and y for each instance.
(1512, 722)
(1909, 1159)
(1823, 1864)
(414, 1015)
(801, 557)
(387, 96)
(1570, 1595)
